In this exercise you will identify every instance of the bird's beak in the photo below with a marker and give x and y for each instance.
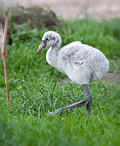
(42, 45)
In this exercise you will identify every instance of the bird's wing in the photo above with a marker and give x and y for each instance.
(75, 53)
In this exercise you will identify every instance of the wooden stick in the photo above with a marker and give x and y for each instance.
(3, 52)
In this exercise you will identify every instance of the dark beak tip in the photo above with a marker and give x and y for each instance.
(38, 51)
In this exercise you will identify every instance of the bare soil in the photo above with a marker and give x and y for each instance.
(70, 9)
(111, 77)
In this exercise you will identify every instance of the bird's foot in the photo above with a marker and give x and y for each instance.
(60, 111)
(86, 101)
(57, 112)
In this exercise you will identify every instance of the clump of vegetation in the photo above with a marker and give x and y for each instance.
(34, 90)
(26, 19)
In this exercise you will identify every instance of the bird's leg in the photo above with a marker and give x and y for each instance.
(60, 111)
(87, 99)
(3, 52)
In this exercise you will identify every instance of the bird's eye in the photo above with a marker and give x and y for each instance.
(47, 39)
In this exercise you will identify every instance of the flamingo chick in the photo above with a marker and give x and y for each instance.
(80, 62)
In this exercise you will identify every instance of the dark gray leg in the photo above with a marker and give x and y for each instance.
(88, 108)
(87, 99)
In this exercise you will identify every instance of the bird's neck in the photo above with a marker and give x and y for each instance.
(52, 54)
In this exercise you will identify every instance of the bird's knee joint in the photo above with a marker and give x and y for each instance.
(89, 98)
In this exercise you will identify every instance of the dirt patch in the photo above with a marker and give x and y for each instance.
(70, 9)
(38, 15)
(111, 77)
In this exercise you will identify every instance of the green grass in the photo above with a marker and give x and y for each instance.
(34, 91)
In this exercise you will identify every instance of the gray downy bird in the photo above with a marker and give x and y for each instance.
(80, 62)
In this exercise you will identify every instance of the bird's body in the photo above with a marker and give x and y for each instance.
(80, 62)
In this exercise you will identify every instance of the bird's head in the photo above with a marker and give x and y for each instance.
(49, 38)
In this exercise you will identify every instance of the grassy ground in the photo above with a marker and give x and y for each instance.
(34, 91)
